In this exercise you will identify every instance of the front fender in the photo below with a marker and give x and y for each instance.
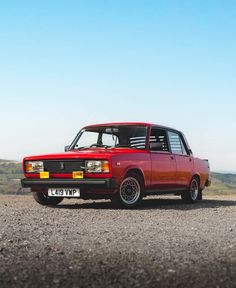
(133, 168)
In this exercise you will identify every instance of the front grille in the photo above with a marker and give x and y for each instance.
(63, 166)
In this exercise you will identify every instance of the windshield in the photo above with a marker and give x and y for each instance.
(131, 136)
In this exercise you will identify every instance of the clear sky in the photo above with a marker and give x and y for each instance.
(64, 64)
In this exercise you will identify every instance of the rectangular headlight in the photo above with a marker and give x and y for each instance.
(94, 166)
(34, 166)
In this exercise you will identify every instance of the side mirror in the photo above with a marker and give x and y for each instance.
(156, 146)
(67, 148)
(190, 151)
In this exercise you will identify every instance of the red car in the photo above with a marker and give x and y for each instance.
(123, 162)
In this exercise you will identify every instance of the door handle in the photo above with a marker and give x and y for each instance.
(190, 160)
(172, 157)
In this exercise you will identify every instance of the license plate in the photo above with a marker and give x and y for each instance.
(63, 192)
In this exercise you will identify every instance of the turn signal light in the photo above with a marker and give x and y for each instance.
(29, 166)
(105, 167)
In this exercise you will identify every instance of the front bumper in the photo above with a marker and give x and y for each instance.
(107, 184)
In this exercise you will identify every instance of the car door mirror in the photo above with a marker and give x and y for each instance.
(67, 147)
(156, 146)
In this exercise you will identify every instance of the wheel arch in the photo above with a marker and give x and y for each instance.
(196, 175)
(136, 170)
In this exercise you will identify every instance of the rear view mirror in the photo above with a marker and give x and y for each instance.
(112, 130)
(67, 148)
(157, 146)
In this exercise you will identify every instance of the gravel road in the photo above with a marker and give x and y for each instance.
(90, 244)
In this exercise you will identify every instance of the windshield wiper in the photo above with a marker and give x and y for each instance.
(93, 146)
(83, 147)
(127, 146)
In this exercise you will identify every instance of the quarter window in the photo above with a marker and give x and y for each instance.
(176, 143)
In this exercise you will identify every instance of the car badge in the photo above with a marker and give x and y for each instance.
(62, 165)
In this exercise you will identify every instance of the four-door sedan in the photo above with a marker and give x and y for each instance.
(123, 162)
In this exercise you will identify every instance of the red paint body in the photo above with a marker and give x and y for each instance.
(162, 171)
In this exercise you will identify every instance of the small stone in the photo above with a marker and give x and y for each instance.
(171, 271)
(231, 229)
(25, 243)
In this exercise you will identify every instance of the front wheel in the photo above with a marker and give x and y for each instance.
(130, 192)
(193, 193)
(43, 199)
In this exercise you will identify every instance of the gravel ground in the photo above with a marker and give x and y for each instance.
(90, 244)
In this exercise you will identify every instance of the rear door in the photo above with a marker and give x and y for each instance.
(183, 158)
(163, 162)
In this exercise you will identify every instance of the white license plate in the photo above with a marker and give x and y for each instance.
(63, 192)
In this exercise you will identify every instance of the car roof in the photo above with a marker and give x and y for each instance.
(131, 123)
(119, 123)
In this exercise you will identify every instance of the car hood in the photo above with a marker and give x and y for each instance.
(91, 153)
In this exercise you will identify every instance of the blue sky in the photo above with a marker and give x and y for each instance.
(64, 64)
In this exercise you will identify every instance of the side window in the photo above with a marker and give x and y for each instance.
(158, 140)
(176, 144)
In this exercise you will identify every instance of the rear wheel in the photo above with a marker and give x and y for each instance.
(193, 193)
(43, 199)
(200, 194)
(130, 192)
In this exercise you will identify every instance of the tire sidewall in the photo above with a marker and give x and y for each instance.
(195, 182)
(187, 195)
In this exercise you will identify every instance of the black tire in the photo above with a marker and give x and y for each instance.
(130, 192)
(193, 192)
(43, 199)
(200, 195)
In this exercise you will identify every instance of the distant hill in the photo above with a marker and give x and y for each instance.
(222, 184)
(227, 178)
(8, 161)
(11, 173)
(10, 168)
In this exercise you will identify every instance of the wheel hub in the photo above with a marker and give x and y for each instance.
(194, 190)
(130, 190)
